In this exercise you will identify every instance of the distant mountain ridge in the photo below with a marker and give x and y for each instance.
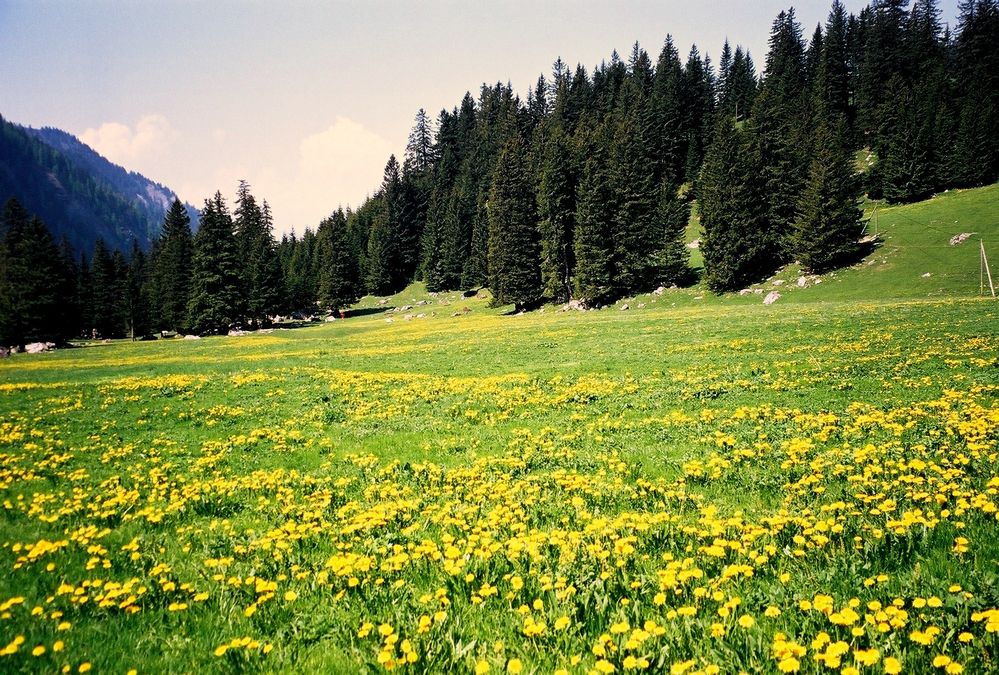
(79, 194)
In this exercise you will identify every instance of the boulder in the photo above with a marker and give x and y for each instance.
(772, 297)
(192, 337)
(960, 238)
(659, 291)
(624, 307)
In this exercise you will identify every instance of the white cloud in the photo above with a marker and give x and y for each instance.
(149, 140)
(342, 164)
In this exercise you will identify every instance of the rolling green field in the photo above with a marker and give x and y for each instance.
(697, 484)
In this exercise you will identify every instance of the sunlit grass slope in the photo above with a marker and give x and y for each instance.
(692, 485)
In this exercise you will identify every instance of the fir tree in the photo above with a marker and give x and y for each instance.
(828, 224)
(107, 296)
(137, 293)
(595, 212)
(30, 280)
(260, 274)
(636, 229)
(734, 244)
(385, 259)
(173, 268)
(513, 237)
(780, 132)
(557, 212)
(338, 273)
(215, 285)
(68, 291)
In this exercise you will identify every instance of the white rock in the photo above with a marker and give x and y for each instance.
(778, 282)
(624, 307)
(772, 297)
(39, 347)
(960, 238)
(659, 291)
(927, 275)
(802, 282)
(192, 337)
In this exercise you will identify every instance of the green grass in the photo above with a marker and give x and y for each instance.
(847, 432)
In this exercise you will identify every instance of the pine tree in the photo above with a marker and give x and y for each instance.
(829, 219)
(557, 213)
(420, 150)
(173, 268)
(668, 91)
(385, 259)
(30, 279)
(671, 257)
(68, 292)
(975, 155)
(734, 244)
(636, 229)
(593, 238)
(215, 285)
(108, 298)
(85, 293)
(514, 275)
(260, 274)
(338, 273)
(137, 293)
(834, 74)
(780, 131)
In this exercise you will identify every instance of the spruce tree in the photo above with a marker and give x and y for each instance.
(734, 243)
(829, 219)
(30, 280)
(107, 299)
(780, 132)
(68, 291)
(137, 293)
(215, 285)
(557, 213)
(260, 275)
(385, 258)
(173, 268)
(514, 275)
(636, 229)
(671, 257)
(593, 238)
(338, 274)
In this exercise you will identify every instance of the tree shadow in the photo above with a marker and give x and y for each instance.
(366, 311)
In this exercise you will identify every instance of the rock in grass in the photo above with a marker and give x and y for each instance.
(772, 297)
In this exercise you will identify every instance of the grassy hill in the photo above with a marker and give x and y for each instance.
(913, 241)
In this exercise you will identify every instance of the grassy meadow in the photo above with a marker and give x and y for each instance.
(695, 485)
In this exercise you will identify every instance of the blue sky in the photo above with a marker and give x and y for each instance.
(306, 99)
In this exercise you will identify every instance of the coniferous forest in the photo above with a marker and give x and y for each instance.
(582, 191)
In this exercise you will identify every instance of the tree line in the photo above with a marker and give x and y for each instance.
(585, 189)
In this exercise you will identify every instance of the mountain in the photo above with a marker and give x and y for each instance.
(78, 193)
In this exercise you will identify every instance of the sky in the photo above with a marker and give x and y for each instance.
(307, 99)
